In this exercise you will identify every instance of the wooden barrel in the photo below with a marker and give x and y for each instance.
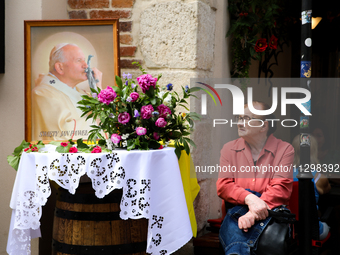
(84, 224)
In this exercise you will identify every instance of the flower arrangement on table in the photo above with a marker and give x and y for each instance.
(139, 114)
(134, 115)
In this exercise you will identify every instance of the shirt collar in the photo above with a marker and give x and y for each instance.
(270, 145)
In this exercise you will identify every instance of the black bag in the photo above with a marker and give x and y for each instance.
(276, 238)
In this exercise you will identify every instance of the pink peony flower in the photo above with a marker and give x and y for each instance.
(96, 149)
(123, 118)
(146, 111)
(116, 138)
(73, 150)
(134, 96)
(64, 144)
(107, 95)
(163, 110)
(146, 81)
(155, 135)
(160, 122)
(141, 131)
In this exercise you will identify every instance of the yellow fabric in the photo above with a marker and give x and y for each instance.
(190, 185)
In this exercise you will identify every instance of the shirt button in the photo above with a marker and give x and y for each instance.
(253, 180)
(261, 224)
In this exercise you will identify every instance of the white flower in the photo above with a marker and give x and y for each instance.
(166, 144)
(167, 100)
(125, 136)
(124, 143)
(109, 144)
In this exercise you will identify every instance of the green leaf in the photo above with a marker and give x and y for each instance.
(186, 147)
(154, 144)
(194, 89)
(118, 90)
(62, 149)
(194, 116)
(131, 144)
(102, 142)
(178, 151)
(151, 92)
(13, 161)
(184, 107)
(190, 141)
(81, 144)
(55, 143)
(119, 82)
(22, 146)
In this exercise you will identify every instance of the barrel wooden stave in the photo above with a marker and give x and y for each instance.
(97, 232)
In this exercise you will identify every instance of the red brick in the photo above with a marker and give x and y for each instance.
(127, 63)
(88, 4)
(77, 14)
(122, 3)
(125, 39)
(125, 26)
(110, 14)
(127, 51)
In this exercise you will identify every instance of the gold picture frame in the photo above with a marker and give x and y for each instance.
(99, 38)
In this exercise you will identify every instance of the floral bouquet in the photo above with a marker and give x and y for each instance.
(139, 114)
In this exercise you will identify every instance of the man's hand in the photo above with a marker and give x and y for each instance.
(98, 75)
(257, 206)
(246, 221)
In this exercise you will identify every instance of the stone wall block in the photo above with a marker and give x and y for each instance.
(125, 26)
(77, 14)
(168, 35)
(127, 63)
(122, 3)
(125, 39)
(88, 4)
(116, 14)
(205, 36)
(127, 51)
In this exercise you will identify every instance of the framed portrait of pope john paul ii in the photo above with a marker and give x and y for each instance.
(63, 59)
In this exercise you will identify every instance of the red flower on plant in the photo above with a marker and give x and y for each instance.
(96, 149)
(261, 45)
(273, 42)
(26, 149)
(64, 144)
(73, 150)
(244, 62)
(160, 147)
(35, 149)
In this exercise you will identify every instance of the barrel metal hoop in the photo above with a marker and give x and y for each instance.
(79, 198)
(102, 250)
(86, 216)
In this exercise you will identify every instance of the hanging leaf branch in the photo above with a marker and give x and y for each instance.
(257, 30)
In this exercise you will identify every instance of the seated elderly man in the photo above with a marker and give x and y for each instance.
(259, 190)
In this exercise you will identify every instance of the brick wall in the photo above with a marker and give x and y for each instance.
(106, 9)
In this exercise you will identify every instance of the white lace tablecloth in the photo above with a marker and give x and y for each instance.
(151, 183)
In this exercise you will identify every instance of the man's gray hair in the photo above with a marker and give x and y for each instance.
(57, 55)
